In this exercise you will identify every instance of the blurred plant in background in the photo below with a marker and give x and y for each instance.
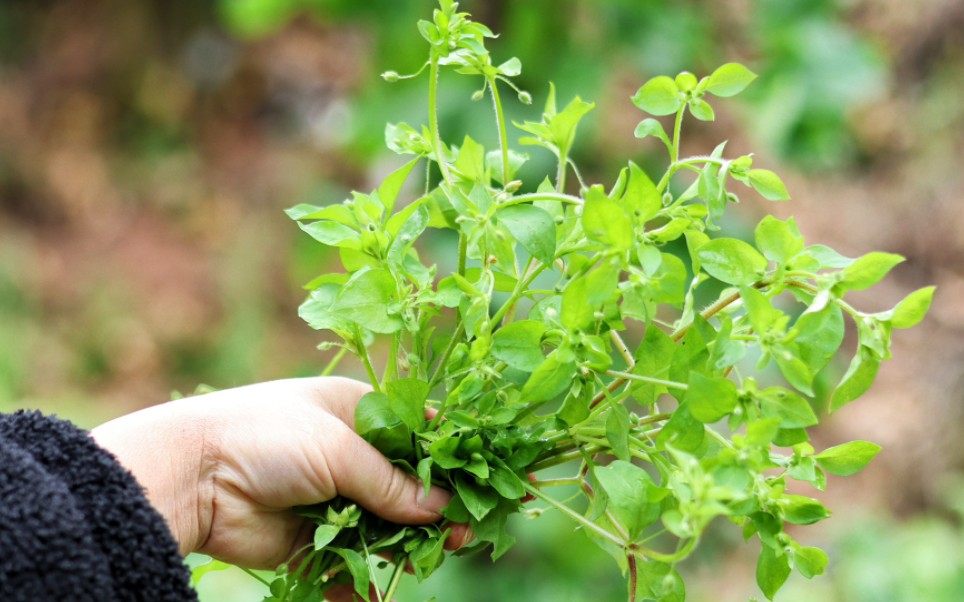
(148, 147)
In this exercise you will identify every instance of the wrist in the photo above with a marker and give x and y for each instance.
(165, 448)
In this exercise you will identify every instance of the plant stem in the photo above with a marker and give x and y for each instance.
(633, 576)
(623, 350)
(333, 363)
(582, 520)
(396, 579)
(255, 575)
(433, 120)
(362, 352)
(624, 376)
(503, 138)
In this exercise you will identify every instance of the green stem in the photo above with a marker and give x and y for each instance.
(624, 376)
(333, 363)
(255, 575)
(582, 520)
(362, 352)
(520, 288)
(433, 120)
(674, 165)
(396, 579)
(503, 138)
(561, 173)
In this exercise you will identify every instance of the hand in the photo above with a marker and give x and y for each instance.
(225, 469)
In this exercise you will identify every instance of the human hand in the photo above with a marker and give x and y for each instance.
(225, 469)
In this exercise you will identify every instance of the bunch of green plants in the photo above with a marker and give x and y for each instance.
(612, 330)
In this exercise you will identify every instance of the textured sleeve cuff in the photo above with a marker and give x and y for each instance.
(74, 524)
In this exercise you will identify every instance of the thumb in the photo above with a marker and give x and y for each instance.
(362, 474)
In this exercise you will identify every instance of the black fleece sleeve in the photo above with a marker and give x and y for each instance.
(75, 525)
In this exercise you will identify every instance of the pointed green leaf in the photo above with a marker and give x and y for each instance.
(710, 399)
(859, 377)
(732, 261)
(641, 198)
(778, 240)
(729, 80)
(809, 562)
(771, 571)
(392, 185)
(768, 184)
(701, 109)
(533, 228)
(848, 458)
(912, 308)
(519, 344)
(604, 220)
(332, 234)
(658, 96)
(324, 534)
(868, 270)
(549, 380)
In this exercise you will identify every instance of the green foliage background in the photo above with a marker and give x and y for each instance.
(148, 147)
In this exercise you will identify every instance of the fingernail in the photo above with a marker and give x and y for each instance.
(435, 501)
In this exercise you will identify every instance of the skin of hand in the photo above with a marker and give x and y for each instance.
(226, 468)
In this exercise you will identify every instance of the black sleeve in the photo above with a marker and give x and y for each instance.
(75, 525)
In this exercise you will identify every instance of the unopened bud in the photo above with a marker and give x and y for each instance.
(525, 98)
(477, 95)
(390, 76)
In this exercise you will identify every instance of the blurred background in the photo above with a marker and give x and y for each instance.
(148, 148)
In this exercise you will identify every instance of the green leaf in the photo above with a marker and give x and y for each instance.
(549, 380)
(912, 308)
(641, 199)
(658, 581)
(732, 261)
(659, 96)
(563, 125)
(778, 240)
(768, 184)
(576, 312)
(519, 344)
(868, 270)
(392, 185)
(359, 571)
(478, 500)
(324, 534)
(407, 400)
(533, 228)
(683, 431)
(365, 300)
(802, 510)
(847, 459)
(604, 220)
(211, 566)
(651, 127)
(792, 410)
(332, 234)
(428, 556)
(701, 109)
(809, 562)
(506, 482)
(860, 375)
(316, 310)
(710, 399)
(729, 80)
(511, 67)
(820, 335)
(771, 571)
(617, 431)
(632, 496)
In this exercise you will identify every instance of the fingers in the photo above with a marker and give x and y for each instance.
(339, 395)
(364, 475)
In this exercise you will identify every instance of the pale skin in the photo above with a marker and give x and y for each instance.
(226, 469)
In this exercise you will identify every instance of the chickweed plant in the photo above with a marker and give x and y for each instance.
(612, 332)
